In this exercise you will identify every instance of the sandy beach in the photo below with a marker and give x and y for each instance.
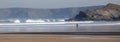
(57, 38)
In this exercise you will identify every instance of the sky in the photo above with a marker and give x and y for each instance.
(53, 3)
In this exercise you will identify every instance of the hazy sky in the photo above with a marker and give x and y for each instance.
(53, 3)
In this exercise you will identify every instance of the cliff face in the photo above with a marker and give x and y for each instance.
(110, 12)
(33, 13)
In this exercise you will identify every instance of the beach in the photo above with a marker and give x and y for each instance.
(57, 38)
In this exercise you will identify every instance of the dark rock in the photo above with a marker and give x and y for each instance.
(110, 12)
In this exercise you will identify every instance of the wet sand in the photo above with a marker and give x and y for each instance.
(58, 38)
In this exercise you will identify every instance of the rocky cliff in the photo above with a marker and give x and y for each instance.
(33, 13)
(110, 12)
